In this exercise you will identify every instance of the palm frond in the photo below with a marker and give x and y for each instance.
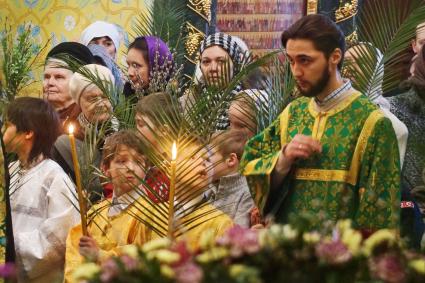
(18, 57)
(389, 26)
(191, 129)
(164, 19)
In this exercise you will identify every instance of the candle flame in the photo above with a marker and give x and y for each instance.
(174, 151)
(71, 129)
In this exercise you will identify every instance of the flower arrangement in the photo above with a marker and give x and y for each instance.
(281, 253)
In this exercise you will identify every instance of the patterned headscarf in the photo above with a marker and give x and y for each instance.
(244, 52)
(229, 43)
(100, 52)
(237, 50)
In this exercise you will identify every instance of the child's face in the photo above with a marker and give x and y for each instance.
(12, 139)
(95, 105)
(126, 170)
(145, 127)
(219, 164)
(241, 120)
(192, 169)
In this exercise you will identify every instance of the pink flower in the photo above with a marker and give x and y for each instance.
(110, 270)
(181, 248)
(388, 268)
(129, 262)
(7, 270)
(240, 240)
(334, 252)
(188, 273)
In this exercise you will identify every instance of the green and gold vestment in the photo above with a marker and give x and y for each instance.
(356, 176)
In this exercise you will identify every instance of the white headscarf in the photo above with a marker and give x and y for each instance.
(79, 83)
(101, 29)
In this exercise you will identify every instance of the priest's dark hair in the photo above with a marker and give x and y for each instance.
(30, 114)
(321, 30)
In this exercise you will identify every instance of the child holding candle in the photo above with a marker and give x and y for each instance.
(41, 194)
(112, 225)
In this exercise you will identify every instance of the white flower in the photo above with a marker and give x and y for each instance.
(85, 271)
(69, 23)
(289, 233)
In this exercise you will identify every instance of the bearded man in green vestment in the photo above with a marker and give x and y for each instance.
(331, 153)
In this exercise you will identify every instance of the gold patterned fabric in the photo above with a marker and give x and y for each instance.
(356, 176)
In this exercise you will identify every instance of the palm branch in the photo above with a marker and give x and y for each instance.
(389, 26)
(199, 117)
(191, 129)
(19, 54)
(277, 85)
(164, 19)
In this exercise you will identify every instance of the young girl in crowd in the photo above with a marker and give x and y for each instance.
(41, 194)
(153, 113)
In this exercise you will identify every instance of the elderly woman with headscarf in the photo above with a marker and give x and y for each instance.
(56, 78)
(150, 66)
(96, 111)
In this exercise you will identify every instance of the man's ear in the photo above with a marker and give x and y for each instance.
(336, 57)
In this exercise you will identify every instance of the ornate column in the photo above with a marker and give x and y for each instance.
(343, 12)
(200, 22)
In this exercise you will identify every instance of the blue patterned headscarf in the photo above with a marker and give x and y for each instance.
(100, 52)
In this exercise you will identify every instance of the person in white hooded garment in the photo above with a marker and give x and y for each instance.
(102, 33)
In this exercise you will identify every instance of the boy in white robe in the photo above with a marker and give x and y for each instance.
(41, 194)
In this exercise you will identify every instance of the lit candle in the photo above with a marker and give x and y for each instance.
(81, 199)
(172, 191)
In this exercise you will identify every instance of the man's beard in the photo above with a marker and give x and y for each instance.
(319, 86)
